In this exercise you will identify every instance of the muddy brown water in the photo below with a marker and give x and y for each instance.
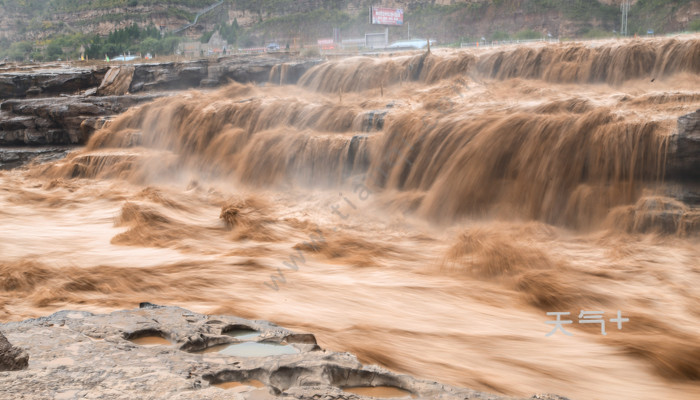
(252, 349)
(380, 392)
(229, 385)
(425, 221)
(151, 341)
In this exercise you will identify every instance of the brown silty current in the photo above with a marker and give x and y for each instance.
(424, 212)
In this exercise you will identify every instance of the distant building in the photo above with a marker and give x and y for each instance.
(216, 46)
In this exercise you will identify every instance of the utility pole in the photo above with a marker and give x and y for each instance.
(625, 7)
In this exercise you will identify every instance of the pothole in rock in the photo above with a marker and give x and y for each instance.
(252, 349)
(380, 392)
(239, 381)
(252, 383)
(369, 383)
(151, 341)
(240, 332)
(148, 338)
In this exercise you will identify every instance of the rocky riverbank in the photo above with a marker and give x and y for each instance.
(50, 80)
(60, 104)
(172, 353)
(13, 157)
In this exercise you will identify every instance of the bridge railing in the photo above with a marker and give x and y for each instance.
(494, 43)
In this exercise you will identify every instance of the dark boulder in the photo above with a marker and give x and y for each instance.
(168, 76)
(12, 358)
(684, 149)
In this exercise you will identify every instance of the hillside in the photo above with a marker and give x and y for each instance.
(29, 27)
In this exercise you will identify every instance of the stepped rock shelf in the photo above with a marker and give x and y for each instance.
(59, 104)
(159, 352)
(50, 80)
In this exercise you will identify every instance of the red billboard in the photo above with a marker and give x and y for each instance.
(386, 16)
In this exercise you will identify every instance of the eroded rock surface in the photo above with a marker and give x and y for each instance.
(172, 353)
(63, 105)
(12, 358)
(62, 120)
(684, 148)
(117, 81)
(29, 82)
(13, 157)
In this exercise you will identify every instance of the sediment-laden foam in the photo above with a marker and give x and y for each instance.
(422, 211)
(612, 63)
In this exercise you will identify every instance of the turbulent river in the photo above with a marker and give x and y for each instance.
(423, 211)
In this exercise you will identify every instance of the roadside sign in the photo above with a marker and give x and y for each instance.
(386, 16)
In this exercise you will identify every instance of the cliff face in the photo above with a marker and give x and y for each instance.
(21, 24)
(447, 20)
(64, 105)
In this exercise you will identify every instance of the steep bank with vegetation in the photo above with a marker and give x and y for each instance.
(51, 29)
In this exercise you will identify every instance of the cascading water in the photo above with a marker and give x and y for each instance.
(422, 211)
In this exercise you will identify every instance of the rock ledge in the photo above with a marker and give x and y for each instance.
(171, 353)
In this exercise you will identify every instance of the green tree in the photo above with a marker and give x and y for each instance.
(111, 49)
(694, 25)
(149, 45)
(500, 35)
(54, 50)
(206, 36)
(168, 45)
(526, 34)
(229, 32)
(19, 51)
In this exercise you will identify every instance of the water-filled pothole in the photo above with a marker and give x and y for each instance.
(381, 392)
(228, 385)
(252, 349)
(242, 334)
(151, 341)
